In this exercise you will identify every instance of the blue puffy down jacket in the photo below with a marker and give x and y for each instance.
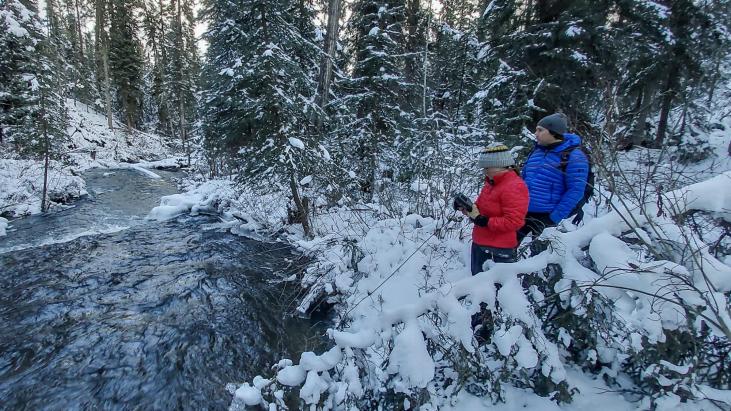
(550, 190)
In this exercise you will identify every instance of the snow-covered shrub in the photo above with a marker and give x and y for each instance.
(611, 297)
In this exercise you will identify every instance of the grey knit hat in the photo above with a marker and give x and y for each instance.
(496, 155)
(556, 122)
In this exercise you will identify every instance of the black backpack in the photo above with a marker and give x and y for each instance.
(588, 188)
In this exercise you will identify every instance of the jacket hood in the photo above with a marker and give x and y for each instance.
(569, 140)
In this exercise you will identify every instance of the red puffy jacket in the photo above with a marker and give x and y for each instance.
(504, 201)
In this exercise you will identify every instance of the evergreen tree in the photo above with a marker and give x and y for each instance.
(101, 57)
(28, 67)
(327, 61)
(690, 45)
(20, 32)
(375, 91)
(79, 67)
(156, 27)
(454, 64)
(125, 60)
(259, 90)
(502, 104)
(182, 70)
(32, 96)
(414, 47)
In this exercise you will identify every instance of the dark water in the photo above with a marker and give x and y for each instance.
(156, 316)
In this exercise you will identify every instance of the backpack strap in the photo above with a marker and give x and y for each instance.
(565, 158)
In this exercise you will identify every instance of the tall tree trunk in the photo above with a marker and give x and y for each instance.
(668, 95)
(78, 32)
(99, 20)
(412, 44)
(46, 149)
(637, 124)
(302, 207)
(101, 51)
(326, 65)
(458, 107)
(714, 79)
(163, 65)
(425, 65)
(183, 134)
(179, 78)
(107, 87)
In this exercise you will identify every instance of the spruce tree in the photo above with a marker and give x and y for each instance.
(182, 72)
(154, 26)
(501, 106)
(28, 64)
(455, 63)
(259, 92)
(125, 60)
(79, 67)
(101, 57)
(375, 91)
(33, 117)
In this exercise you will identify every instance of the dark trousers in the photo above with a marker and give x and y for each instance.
(535, 223)
(481, 253)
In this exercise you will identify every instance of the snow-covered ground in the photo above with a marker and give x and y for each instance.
(21, 184)
(404, 285)
(92, 145)
(90, 133)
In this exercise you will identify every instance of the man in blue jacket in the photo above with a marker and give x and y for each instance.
(554, 193)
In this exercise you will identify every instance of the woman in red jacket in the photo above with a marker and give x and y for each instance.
(499, 211)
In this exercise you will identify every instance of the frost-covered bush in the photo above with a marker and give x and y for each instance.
(609, 297)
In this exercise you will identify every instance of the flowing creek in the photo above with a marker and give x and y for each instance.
(102, 309)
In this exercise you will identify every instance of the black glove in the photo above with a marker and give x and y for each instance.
(578, 218)
(480, 220)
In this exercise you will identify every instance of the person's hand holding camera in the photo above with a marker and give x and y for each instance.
(468, 208)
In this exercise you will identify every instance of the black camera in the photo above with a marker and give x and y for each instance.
(461, 201)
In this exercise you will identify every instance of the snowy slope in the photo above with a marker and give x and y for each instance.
(21, 181)
(89, 133)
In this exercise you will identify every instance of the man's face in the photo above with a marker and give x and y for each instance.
(544, 137)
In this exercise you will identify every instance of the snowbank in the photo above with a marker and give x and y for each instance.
(405, 285)
(94, 145)
(21, 185)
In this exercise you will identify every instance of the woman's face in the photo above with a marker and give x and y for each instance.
(544, 137)
(493, 171)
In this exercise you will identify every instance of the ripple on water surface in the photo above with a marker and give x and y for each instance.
(159, 316)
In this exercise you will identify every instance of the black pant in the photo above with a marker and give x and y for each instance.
(481, 253)
(535, 223)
